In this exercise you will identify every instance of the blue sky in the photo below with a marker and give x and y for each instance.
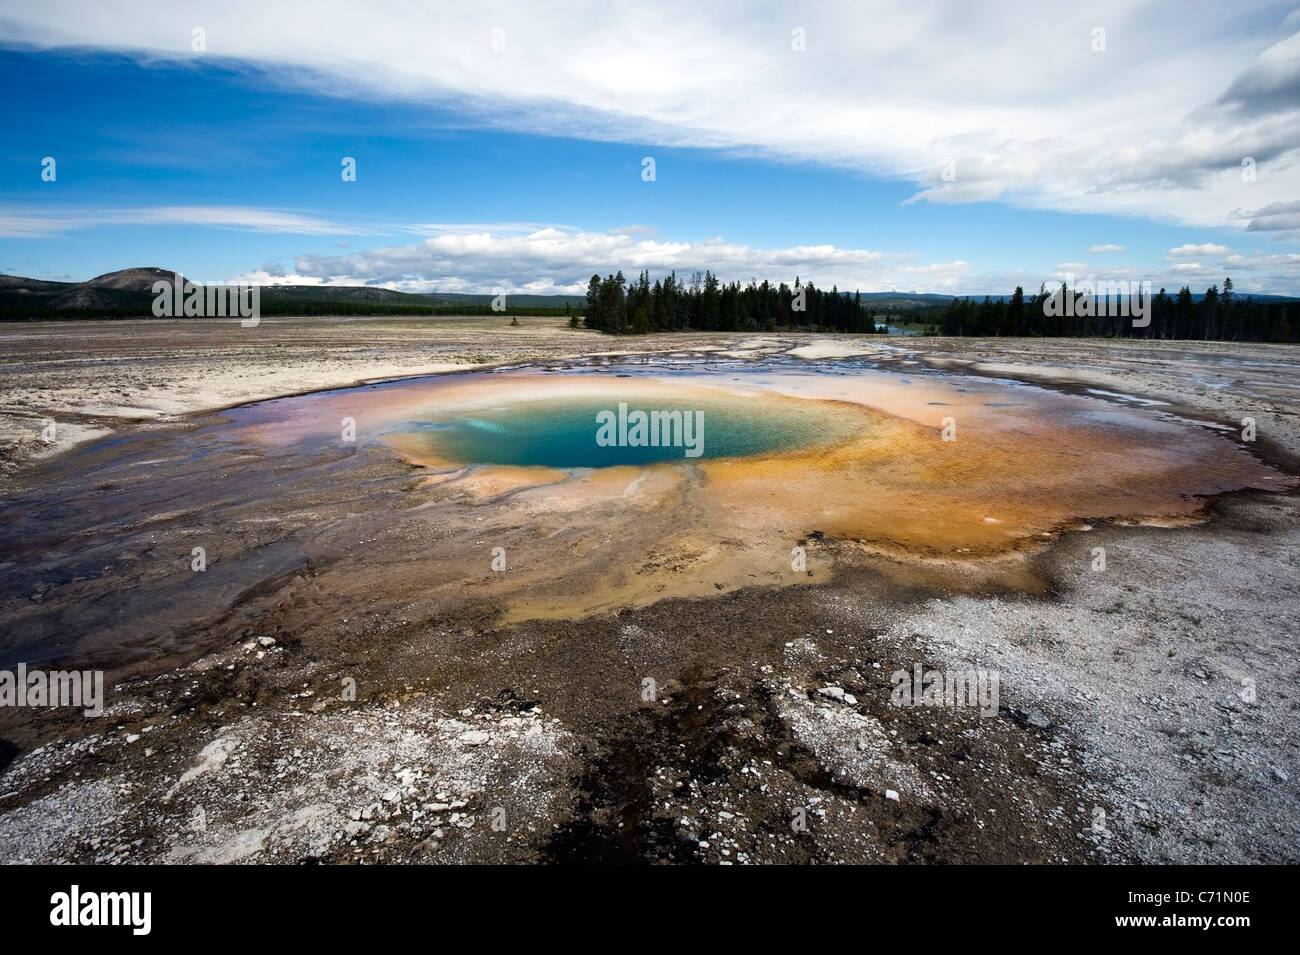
(224, 163)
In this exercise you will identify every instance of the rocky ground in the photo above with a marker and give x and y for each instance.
(1148, 711)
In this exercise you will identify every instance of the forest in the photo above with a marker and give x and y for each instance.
(704, 303)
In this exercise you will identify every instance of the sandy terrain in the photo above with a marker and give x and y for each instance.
(1147, 710)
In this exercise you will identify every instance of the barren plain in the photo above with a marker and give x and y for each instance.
(349, 679)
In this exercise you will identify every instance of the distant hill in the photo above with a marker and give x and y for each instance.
(128, 293)
(130, 280)
(890, 301)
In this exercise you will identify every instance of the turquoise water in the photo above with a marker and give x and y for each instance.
(586, 433)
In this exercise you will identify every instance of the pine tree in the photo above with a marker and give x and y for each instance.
(595, 318)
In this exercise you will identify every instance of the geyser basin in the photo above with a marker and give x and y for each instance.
(302, 504)
(853, 453)
(627, 428)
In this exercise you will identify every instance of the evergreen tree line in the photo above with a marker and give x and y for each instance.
(706, 304)
(1218, 315)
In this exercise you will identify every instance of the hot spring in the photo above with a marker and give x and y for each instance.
(496, 487)
(636, 429)
(924, 464)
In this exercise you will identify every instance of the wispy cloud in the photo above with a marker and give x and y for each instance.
(1274, 217)
(1012, 102)
(19, 221)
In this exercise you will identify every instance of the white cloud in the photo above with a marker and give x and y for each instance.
(1283, 262)
(17, 221)
(1272, 81)
(562, 262)
(26, 227)
(1013, 93)
(1274, 217)
(1192, 251)
(1102, 249)
(553, 260)
(231, 217)
(959, 192)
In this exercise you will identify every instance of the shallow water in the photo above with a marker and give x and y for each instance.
(315, 508)
(592, 432)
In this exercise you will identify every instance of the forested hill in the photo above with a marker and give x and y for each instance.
(129, 294)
